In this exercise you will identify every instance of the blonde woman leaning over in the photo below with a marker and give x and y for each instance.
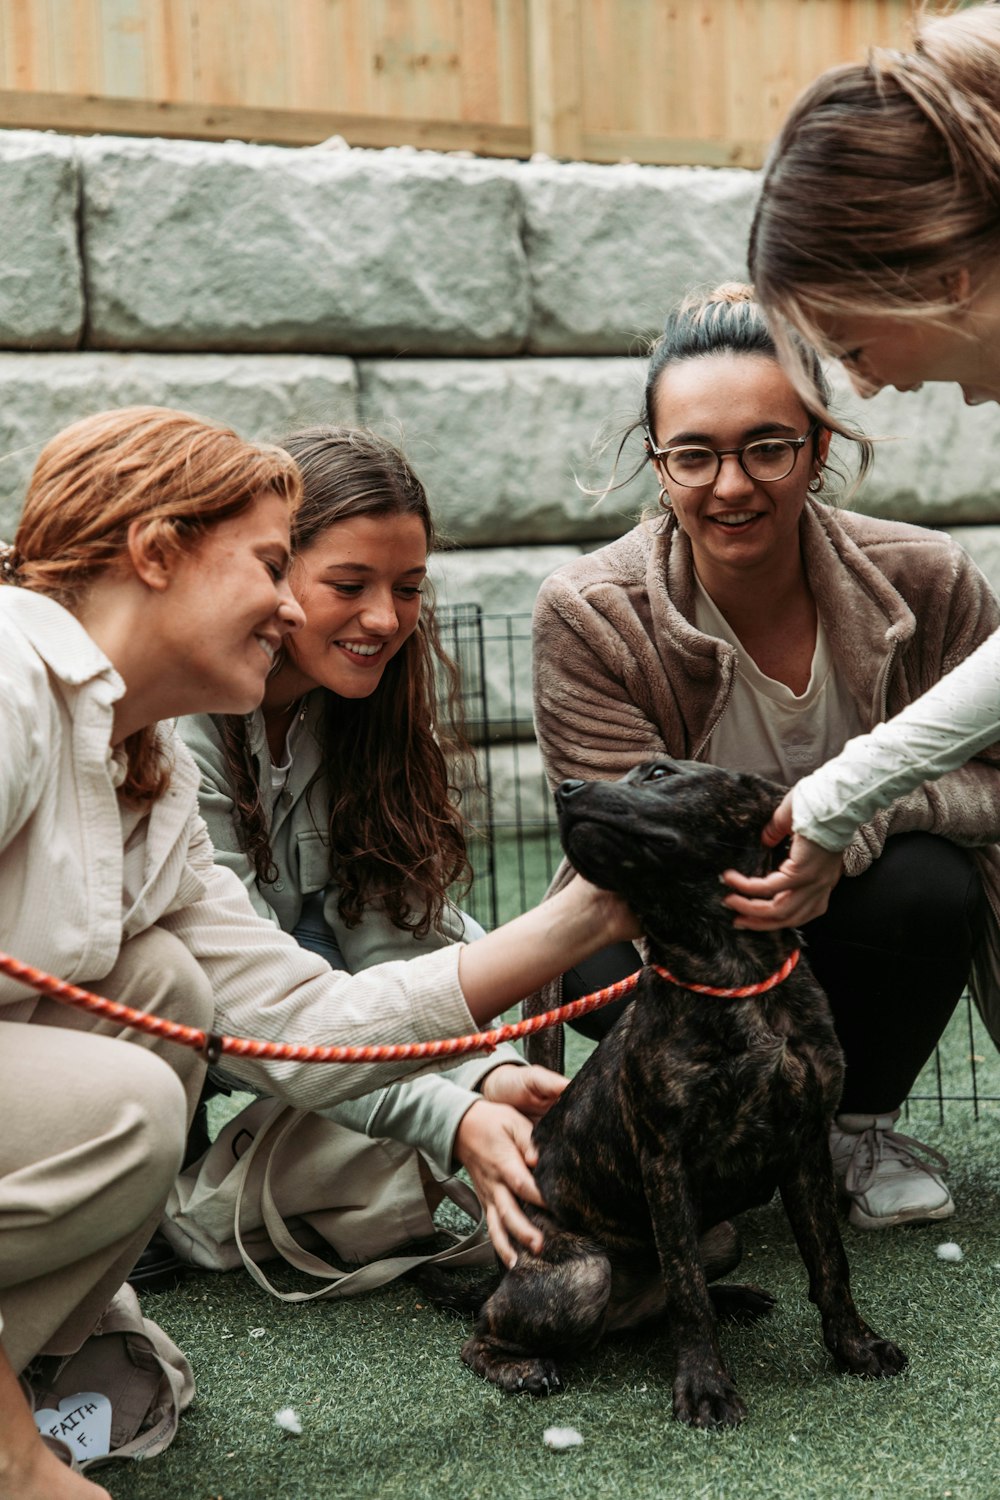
(332, 803)
(755, 626)
(877, 232)
(148, 578)
(902, 288)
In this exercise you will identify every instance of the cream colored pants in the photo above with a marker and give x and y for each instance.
(93, 1121)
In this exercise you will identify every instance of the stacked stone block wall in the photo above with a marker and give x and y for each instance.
(490, 315)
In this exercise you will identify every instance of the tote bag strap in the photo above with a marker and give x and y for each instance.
(473, 1248)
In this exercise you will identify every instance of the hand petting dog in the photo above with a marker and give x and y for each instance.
(494, 1145)
(793, 894)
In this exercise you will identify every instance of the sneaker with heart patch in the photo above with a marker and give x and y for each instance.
(888, 1177)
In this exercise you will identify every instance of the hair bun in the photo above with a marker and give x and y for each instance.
(733, 291)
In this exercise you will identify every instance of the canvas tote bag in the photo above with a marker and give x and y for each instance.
(285, 1183)
(129, 1361)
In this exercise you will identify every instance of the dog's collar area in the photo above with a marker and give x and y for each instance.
(741, 991)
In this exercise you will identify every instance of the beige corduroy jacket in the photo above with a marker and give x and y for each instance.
(622, 675)
(61, 880)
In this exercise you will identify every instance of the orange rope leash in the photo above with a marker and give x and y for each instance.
(741, 991)
(212, 1045)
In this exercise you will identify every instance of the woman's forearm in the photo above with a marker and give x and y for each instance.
(936, 733)
(501, 968)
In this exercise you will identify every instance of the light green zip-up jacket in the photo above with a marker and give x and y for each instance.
(427, 1111)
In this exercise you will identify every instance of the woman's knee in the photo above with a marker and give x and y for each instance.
(89, 1161)
(159, 1110)
(156, 972)
(922, 894)
(140, 1151)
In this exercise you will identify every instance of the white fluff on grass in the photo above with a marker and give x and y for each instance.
(949, 1251)
(561, 1437)
(289, 1420)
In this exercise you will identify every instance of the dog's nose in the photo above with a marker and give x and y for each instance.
(567, 788)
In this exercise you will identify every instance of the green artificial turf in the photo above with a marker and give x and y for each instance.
(388, 1410)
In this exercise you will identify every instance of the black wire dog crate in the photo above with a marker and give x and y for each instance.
(514, 849)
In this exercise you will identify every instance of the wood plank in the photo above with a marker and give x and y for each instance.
(123, 49)
(93, 114)
(218, 70)
(671, 151)
(320, 65)
(75, 57)
(264, 46)
(478, 50)
(173, 58)
(554, 71)
(512, 61)
(27, 63)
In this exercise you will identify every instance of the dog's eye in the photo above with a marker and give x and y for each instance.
(656, 774)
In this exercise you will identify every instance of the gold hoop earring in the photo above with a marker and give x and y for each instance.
(663, 499)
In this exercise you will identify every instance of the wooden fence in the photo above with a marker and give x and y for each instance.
(683, 81)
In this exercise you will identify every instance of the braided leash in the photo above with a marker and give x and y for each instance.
(741, 991)
(212, 1045)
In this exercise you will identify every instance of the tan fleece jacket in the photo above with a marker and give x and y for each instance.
(622, 674)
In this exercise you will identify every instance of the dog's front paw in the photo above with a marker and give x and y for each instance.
(526, 1375)
(707, 1400)
(861, 1351)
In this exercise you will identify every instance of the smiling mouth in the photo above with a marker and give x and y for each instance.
(356, 649)
(735, 518)
(268, 647)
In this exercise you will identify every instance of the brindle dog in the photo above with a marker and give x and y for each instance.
(692, 1109)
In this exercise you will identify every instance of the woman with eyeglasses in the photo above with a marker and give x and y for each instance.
(895, 271)
(752, 625)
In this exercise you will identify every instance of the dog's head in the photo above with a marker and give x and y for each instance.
(661, 836)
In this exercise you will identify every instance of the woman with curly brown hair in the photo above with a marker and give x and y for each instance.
(333, 801)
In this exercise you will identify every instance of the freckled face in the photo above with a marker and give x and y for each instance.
(359, 586)
(723, 401)
(229, 608)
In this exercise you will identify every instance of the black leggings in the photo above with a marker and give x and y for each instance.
(893, 953)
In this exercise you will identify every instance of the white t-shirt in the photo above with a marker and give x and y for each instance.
(766, 728)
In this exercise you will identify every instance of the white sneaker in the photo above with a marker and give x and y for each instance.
(880, 1171)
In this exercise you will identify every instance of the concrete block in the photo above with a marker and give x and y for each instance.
(500, 443)
(195, 245)
(982, 543)
(41, 279)
(504, 583)
(501, 580)
(260, 396)
(610, 249)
